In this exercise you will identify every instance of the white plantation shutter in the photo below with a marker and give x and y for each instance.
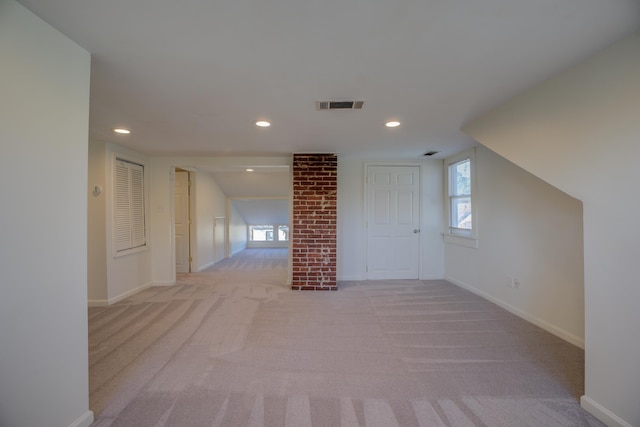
(129, 206)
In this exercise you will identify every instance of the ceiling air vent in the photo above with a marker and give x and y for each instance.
(339, 105)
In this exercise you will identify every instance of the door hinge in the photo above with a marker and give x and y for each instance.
(190, 259)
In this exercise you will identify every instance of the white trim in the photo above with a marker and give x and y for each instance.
(432, 277)
(400, 163)
(116, 153)
(131, 251)
(85, 420)
(103, 302)
(165, 283)
(561, 333)
(602, 413)
(471, 155)
(98, 302)
(129, 293)
(204, 267)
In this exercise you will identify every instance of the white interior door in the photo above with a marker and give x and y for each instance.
(181, 206)
(393, 222)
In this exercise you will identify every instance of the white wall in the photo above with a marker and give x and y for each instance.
(237, 231)
(129, 273)
(44, 110)
(580, 131)
(351, 249)
(527, 230)
(210, 202)
(97, 226)
(111, 278)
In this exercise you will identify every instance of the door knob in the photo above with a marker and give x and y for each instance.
(416, 230)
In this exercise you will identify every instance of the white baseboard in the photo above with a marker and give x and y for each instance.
(204, 267)
(602, 413)
(84, 420)
(105, 302)
(129, 293)
(432, 277)
(97, 302)
(165, 283)
(561, 333)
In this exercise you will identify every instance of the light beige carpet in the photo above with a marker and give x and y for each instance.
(233, 346)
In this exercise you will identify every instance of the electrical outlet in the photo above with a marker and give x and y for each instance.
(514, 282)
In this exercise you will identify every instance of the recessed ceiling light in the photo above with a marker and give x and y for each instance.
(263, 124)
(392, 124)
(122, 131)
(249, 170)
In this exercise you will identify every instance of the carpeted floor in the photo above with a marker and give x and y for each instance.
(233, 346)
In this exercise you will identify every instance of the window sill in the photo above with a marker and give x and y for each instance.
(131, 251)
(458, 240)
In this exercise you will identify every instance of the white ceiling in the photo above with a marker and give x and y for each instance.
(191, 77)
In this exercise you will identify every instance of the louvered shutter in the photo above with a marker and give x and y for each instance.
(129, 206)
(137, 206)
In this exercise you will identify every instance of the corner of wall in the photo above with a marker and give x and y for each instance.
(602, 413)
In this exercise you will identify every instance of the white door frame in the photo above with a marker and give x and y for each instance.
(420, 165)
(192, 206)
(189, 230)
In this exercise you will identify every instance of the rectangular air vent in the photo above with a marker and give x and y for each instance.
(339, 105)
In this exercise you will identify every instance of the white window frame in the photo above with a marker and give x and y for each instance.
(276, 231)
(453, 235)
(129, 207)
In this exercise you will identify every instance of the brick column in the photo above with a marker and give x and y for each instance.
(315, 189)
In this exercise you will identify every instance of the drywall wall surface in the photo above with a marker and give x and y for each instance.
(44, 115)
(97, 225)
(210, 203)
(579, 131)
(130, 272)
(530, 232)
(237, 231)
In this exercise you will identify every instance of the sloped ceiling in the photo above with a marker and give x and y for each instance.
(192, 77)
(263, 211)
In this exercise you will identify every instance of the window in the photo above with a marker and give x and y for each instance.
(261, 233)
(460, 197)
(129, 215)
(283, 232)
(460, 188)
(266, 233)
